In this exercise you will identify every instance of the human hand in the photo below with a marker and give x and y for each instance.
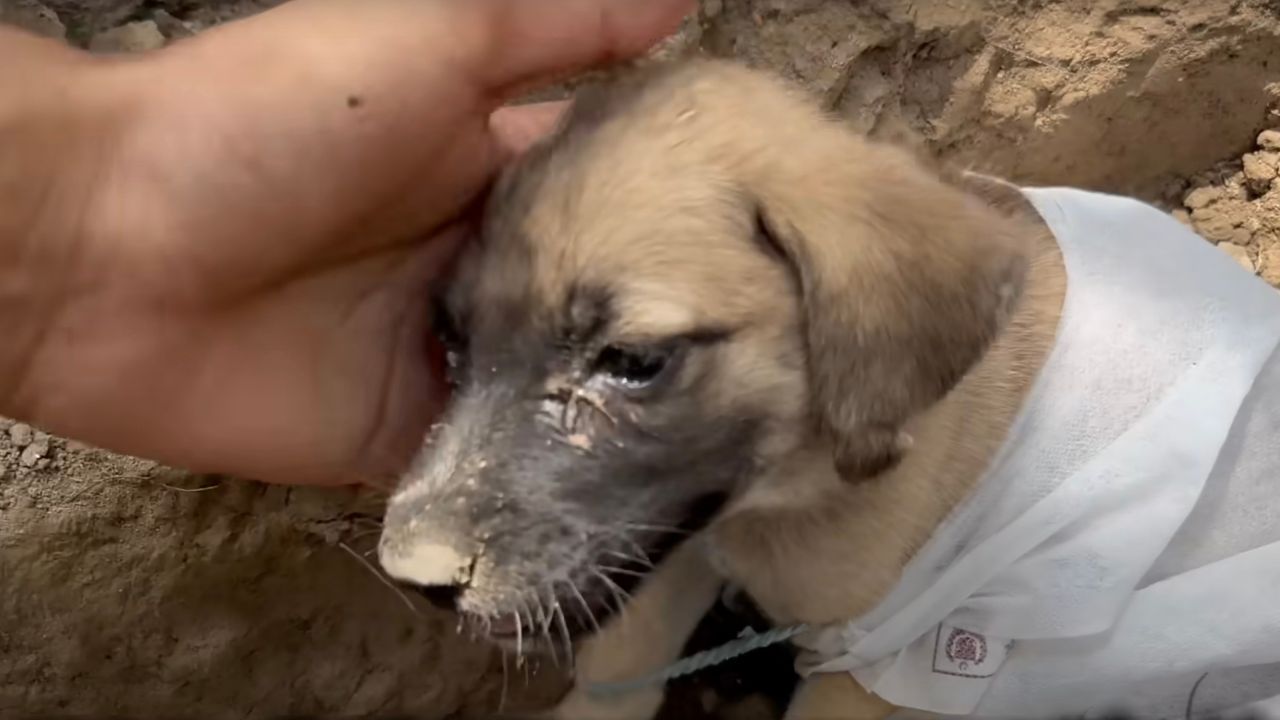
(249, 266)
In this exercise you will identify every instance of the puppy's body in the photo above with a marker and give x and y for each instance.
(704, 288)
(1125, 539)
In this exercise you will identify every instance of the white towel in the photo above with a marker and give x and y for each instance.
(1126, 540)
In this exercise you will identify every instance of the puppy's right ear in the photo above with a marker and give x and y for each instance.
(904, 281)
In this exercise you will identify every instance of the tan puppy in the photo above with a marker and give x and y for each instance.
(948, 276)
(704, 306)
(705, 288)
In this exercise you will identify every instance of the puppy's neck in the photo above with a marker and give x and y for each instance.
(810, 548)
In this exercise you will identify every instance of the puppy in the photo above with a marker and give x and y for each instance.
(710, 334)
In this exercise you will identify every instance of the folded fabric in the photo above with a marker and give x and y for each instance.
(1124, 547)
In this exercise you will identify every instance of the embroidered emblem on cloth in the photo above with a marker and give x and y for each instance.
(964, 653)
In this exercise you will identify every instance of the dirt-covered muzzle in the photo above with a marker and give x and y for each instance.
(535, 512)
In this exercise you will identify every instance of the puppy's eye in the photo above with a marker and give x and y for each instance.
(634, 367)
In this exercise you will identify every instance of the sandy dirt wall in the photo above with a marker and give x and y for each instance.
(141, 591)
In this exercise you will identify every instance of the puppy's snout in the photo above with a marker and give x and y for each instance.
(429, 551)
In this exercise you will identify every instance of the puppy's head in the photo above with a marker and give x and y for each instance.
(699, 276)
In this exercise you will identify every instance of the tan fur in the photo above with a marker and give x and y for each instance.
(835, 696)
(890, 348)
(846, 548)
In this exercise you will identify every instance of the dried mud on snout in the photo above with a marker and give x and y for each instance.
(128, 598)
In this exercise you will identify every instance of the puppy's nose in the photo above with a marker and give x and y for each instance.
(424, 562)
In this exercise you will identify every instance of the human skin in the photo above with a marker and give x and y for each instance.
(218, 255)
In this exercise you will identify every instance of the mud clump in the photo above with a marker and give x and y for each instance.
(135, 590)
(1236, 206)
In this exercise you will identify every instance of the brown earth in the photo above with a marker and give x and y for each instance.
(139, 591)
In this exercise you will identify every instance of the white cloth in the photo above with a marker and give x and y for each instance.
(1126, 540)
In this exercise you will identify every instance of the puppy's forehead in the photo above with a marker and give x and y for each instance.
(632, 213)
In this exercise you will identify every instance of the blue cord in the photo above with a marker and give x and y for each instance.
(746, 642)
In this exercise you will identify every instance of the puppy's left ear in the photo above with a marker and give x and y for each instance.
(905, 281)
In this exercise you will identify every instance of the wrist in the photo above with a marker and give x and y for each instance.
(61, 116)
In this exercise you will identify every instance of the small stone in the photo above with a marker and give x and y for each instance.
(131, 38)
(711, 9)
(1202, 197)
(1258, 174)
(1241, 236)
(42, 464)
(1270, 158)
(76, 446)
(1233, 188)
(34, 453)
(1269, 263)
(21, 435)
(1182, 216)
(1239, 254)
(33, 17)
(1216, 229)
(172, 27)
(1269, 140)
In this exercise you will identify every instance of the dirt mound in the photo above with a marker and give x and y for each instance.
(137, 591)
(1121, 95)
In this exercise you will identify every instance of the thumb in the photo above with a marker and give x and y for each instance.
(527, 42)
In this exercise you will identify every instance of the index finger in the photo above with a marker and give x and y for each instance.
(524, 43)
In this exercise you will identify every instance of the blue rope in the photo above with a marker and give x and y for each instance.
(746, 642)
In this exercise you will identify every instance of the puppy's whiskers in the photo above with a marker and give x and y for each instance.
(586, 606)
(557, 611)
(544, 620)
(622, 571)
(519, 637)
(639, 554)
(544, 627)
(381, 578)
(619, 595)
(663, 529)
(630, 558)
(364, 533)
(506, 680)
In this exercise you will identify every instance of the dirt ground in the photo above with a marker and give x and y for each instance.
(135, 590)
